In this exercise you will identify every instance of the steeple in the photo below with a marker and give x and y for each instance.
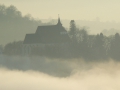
(59, 22)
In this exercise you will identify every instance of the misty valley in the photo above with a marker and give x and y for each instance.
(46, 56)
(51, 46)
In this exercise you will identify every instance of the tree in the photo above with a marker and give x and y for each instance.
(82, 35)
(115, 47)
(98, 48)
(72, 30)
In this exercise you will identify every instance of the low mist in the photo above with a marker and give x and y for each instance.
(38, 73)
(41, 64)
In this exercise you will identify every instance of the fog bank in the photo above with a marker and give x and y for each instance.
(101, 76)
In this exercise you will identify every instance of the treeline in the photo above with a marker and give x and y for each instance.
(94, 47)
(83, 45)
(14, 26)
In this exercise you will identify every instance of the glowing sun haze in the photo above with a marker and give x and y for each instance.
(106, 10)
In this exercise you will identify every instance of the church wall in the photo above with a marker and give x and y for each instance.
(27, 48)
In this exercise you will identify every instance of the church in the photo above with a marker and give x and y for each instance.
(46, 35)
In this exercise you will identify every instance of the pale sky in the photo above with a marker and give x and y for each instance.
(106, 10)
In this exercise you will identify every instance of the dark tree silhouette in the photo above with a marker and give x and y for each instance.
(98, 50)
(115, 47)
(72, 30)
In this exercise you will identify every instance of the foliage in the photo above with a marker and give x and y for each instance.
(14, 24)
(14, 48)
(73, 30)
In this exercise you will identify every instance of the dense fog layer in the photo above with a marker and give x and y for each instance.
(37, 73)
(49, 66)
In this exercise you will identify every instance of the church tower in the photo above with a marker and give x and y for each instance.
(59, 22)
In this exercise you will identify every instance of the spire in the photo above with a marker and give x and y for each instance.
(59, 22)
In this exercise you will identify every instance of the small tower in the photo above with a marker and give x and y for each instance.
(59, 22)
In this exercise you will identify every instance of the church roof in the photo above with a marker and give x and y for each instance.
(48, 34)
(31, 38)
(50, 29)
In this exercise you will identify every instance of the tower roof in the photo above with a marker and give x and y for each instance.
(59, 22)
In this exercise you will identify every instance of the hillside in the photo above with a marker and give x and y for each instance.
(14, 26)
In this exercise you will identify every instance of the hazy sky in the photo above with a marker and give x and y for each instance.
(106, 10)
